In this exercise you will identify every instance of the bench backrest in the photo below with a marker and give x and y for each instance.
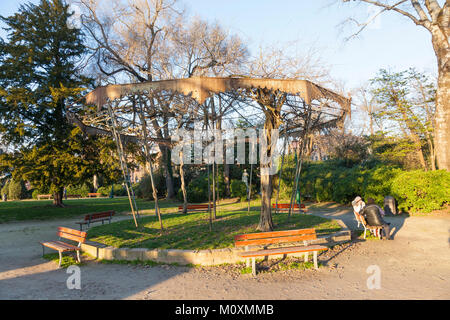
(287, 205)
(273, 237)
(97, 215)
(196, 206)
(71, 234)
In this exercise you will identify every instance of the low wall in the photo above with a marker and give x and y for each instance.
(196, 257)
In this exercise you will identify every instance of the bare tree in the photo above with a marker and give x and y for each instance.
(127, 38)
(367, 105)
(435, 18)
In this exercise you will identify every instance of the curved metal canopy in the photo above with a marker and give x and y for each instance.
(200, 88)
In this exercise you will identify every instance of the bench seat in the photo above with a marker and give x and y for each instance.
(282, 250)
(60, 246)
(195, 207)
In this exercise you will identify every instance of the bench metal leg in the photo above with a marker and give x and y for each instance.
(60, 259)
(78, 256)
(247, 261)
(43, 248)
(306, 256)
(254, 266)
(316, 266)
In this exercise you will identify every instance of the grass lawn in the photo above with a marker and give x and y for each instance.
(44, 210)
(191, 231)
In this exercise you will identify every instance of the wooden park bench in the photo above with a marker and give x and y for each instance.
(265, 239)
(284, 207)
(61, 246)
(43, 196)
(195, 207)
(94, 194)
(96, 217)
(73, 196)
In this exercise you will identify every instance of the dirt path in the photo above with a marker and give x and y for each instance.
(416, 265)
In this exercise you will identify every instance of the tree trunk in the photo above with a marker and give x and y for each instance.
(432, 152)
(95, 182)
(442, 117)
(265, 221)
(58, 198)
(183, 185)
(167, 172)
(226, 179)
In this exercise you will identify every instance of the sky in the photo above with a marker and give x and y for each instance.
(391, 41)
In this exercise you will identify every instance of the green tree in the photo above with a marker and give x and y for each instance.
(39, 75)
(407, 107)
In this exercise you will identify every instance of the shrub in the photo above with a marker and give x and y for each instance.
(119, 190)
(331, 181)
(82, 190)
(35, 194)
(238, 189)
(145, 190)
(422, 191)
(104, 191)
(197, 189)
(16, 190)
(5, 188)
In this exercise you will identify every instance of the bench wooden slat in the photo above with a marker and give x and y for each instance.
(71, 237)
(97, 215)
(284, 250)
(276, 240)
(60, 246)
(287, 205)
(271, 234)
(195, 206)
(72, 231)
(56, 246)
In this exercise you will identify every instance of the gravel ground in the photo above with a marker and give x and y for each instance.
(415, 265)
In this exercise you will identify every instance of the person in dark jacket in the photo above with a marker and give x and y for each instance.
(372, 214)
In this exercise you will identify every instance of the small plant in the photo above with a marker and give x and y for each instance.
(66, 261)
(246, 270)
(296, 265)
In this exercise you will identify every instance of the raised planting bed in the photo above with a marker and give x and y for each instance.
(188, 240)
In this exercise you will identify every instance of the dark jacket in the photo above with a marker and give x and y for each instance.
(372, 215)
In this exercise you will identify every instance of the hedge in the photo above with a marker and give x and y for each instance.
(328, 181)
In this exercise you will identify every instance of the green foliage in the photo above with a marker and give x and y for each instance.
(144, 188)
(406, 107)
(330, 181)
(16, 190)
(119, 190)
(68, 259)
(5, 188)
(35, 193)
(238, 189)
(81, 190)
(38, 78)
(422, 191)
(197, 189)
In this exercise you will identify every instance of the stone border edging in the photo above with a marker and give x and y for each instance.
(208, 257)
